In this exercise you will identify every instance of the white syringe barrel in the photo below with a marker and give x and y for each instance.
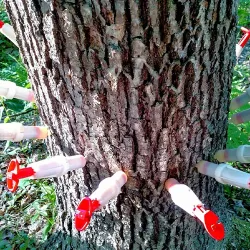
(241, 154)
(16, 132)
(225, 174)
(240, 100)
(9, 90)
(182, 196)
(238, 50)
(241, 117)
(9, 32)
(57, 166)
(109, 188)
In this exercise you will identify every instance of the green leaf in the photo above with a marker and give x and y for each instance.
(24, 183)
(6, 146)
(34, 218)
(13, 152)
(14, 105)
(46, 230)
(23, 246)
(6, 119)
(4, 245)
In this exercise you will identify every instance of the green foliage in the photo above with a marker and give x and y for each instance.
(239, 238)
(17, 240)
(12, 69)
(29, 214)
(17, 73)
(239, 199)
(45, 206)
(244, 13)
(34, 203)
(7, 48)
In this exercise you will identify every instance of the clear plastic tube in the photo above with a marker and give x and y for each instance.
(57, 166)
(24, 94)
(241, 117)
(241, 154)
(16, 132)
(225, 174)
(207, 168)
(109, 188)
(240, 100)
(226, 155)
(35, 132)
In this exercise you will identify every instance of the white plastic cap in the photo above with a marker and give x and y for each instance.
(182, 196)
(238, 50)
(11, 132)
(241, 154)
(241, 117)
(9, 32)
(225, 174)
(240, 100)
(57, 166)
(9, 90)
(109, 188)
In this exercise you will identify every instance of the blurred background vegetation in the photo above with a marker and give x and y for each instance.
(27, 217)
(239, 199)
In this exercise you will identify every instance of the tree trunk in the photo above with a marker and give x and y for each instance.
(141, 86)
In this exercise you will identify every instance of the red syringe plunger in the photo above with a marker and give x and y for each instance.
(14, 174)
(84, 213)
(1, 24)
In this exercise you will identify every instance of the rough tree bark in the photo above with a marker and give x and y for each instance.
(138, 85)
